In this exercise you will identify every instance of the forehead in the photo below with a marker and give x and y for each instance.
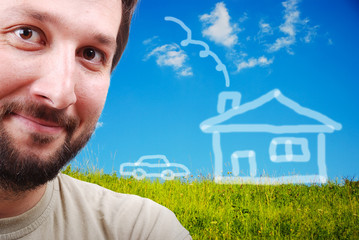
(75, 15)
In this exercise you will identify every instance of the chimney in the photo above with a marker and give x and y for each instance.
(233, 98)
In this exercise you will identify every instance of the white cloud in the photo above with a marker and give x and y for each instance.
(265, 28)
(311, 34)
(99, 124)
(253, 62)
(281, 43)
(244, 17)
(292, 26)
(187, 71)
(217, 26)
(171, 55)
(149, 40)
(291, 19)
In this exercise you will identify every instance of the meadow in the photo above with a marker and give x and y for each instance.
(215, 211)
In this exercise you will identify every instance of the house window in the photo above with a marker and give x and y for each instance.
(289, 149)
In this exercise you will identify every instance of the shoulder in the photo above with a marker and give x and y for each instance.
(100, 196)
(122, 213)
(103, 200)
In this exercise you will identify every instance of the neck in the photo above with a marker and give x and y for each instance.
(14, 204)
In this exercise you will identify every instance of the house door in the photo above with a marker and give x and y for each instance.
(245, 155)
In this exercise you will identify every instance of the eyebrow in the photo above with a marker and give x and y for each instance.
(46, 17)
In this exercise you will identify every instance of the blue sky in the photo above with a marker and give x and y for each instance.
(162, 91)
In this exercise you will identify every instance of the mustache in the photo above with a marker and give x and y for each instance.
(40, 111)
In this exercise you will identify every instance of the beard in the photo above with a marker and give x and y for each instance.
(20, 170)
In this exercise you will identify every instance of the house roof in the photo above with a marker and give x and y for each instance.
(216, 123)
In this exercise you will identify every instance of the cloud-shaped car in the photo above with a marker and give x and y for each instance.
(154, 166)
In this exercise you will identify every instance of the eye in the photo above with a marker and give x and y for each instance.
(29, 35)
(92, 55)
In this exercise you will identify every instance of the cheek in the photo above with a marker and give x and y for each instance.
(15, 72)
(91, 98)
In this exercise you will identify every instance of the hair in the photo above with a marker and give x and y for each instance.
(128, 7)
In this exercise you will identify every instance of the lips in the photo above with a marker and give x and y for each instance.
(36, 125)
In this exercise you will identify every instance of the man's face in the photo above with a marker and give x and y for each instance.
(55, 69)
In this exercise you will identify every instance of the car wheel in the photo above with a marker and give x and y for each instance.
(139, 174)
(167, 175)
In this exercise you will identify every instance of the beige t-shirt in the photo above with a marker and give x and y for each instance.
(73, 209)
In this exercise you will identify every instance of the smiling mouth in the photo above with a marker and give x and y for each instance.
(37, 125)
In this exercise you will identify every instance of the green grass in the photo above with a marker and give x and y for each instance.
(214, 211)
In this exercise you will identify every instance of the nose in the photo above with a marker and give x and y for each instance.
(55, 86)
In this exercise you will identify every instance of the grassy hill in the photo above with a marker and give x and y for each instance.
(213, 211)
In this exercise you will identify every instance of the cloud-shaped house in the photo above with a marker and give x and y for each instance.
(282, 146)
